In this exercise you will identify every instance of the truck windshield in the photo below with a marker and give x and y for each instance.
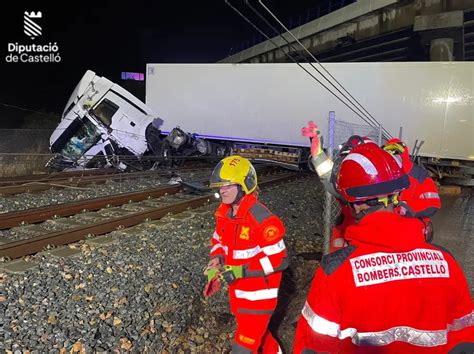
(82, 140)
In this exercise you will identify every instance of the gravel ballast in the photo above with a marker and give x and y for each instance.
(143, 293)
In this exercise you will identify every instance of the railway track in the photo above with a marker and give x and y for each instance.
(138, 208)
(25, 217)
(38, 183)
(45, 177)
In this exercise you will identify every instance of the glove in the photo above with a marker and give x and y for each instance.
(312, 132)
(212, 287)
(212, 273)
(232, 273)
(214, 263)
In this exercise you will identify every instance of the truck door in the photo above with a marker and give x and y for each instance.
(129, 129)
(111, 112)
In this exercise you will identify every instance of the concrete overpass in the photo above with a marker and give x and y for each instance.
(377, 30)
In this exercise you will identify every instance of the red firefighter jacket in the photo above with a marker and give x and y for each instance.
(388, 292)
(421, 198)
(254, 239)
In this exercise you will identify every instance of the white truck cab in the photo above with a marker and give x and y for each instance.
(101, 123)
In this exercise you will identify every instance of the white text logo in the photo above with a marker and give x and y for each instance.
(33, 52)
(377, 268)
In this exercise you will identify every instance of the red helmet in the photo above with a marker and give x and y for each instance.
(352, 142)
(347, 147)
(369, 172)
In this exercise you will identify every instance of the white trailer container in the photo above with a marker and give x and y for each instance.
(269, 103)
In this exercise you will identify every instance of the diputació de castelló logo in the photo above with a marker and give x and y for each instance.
(33, 52)
(30, 26)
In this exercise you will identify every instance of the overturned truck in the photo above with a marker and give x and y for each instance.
(257, 110)
(102, 121)
(103, 125)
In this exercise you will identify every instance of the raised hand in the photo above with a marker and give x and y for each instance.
(311, 131)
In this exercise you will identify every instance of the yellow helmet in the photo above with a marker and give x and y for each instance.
(234, 170)
(395, 146)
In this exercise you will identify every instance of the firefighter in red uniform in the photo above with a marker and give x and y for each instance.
(248, 252)
(388, 291)
(421, 199)
(326, 170)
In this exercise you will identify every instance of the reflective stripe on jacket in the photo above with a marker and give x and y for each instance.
(387, 292)
(253, 239)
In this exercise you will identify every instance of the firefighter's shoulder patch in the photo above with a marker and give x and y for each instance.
(332, 261)
(419, 173)
(260, 212)
(271, 232)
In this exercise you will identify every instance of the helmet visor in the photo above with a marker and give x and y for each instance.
(216, 180)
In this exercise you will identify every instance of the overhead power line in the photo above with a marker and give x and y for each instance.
(362, 112)
(322, 66)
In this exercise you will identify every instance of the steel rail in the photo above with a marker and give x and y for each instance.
(31, 216)
(36, 244)
(78, 181)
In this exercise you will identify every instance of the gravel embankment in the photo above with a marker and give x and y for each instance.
(143, 293)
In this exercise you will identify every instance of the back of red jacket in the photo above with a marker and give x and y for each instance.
(388, 292)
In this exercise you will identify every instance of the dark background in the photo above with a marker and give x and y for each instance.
(109, 37)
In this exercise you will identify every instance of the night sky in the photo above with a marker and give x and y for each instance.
(113, 36)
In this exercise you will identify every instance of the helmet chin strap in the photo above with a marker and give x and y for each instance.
(239, 196)
(376, 205)
(365, 212)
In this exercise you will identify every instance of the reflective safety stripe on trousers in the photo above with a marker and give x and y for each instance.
(256, 295)
(405, 334)
(251, 252)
